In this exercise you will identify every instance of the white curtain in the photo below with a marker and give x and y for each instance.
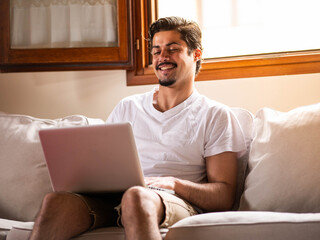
(63, 23)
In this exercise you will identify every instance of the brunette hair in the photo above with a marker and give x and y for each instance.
(189, 30)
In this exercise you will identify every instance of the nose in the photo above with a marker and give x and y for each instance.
(164, 54)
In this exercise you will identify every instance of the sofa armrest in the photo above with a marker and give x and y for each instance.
(247, 225)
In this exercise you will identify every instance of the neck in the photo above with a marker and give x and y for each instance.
(168, 98)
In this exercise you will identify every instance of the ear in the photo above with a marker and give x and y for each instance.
(197, 54)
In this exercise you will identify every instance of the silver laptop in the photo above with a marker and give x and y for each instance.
(97, 158)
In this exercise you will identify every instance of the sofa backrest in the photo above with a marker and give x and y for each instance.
(23, 172)
(24, 179)
(284, 162)
(246, 121)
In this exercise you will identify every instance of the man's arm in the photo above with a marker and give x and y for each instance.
(216, 195)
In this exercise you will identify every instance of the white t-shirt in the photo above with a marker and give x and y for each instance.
(176, 142)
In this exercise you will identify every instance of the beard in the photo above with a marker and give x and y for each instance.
(167, 83)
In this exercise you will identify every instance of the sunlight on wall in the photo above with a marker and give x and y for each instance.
(95, 93)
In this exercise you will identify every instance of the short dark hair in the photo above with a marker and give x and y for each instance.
(189, 30)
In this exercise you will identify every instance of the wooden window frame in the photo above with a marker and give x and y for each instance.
(61, 59)
(260, 65)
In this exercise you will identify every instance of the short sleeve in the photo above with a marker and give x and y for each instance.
(224, 133)
(117, 114)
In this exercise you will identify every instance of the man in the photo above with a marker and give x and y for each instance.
(187, 143)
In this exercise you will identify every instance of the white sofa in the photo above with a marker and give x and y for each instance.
(278, 193)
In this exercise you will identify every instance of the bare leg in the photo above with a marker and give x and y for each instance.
(142, 211)
(62, 216)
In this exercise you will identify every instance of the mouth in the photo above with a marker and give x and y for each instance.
(166, 66)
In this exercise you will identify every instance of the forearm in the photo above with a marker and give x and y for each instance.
(215, 196)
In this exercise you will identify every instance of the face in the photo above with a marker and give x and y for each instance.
(171, 62)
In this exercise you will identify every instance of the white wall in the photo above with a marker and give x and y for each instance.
(95, 93)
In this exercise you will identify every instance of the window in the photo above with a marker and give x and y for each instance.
(30, 47)
(130, 52)
(63, 24)
(245, 29)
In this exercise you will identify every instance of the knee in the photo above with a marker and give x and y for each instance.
(49, 206)
(137, 201)
(58, 203)
(53, 200)
(135, 197)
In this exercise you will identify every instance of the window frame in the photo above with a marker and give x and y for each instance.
(260, 65)
(62, 59)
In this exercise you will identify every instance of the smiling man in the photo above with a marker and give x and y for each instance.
(172, 58)
(187, 144)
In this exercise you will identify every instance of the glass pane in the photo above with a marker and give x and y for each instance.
(246, 27)
(63, 24)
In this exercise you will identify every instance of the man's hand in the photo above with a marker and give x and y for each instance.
(161, 182)
(215, 195)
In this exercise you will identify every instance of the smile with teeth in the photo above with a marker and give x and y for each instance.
(166, 66)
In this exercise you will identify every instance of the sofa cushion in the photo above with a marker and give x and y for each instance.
(22, 232)
(6, 225)
(284, 162)
(246, 121)
(23, 172)
(247, 225)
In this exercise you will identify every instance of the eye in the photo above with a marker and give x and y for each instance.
(172, 50)
(156, 52)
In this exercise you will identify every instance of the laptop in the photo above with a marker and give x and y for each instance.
(86, 159)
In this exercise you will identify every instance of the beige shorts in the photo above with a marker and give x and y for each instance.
(100, 206)
(175, 208)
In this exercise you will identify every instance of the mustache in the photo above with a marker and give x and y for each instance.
(165, 63)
